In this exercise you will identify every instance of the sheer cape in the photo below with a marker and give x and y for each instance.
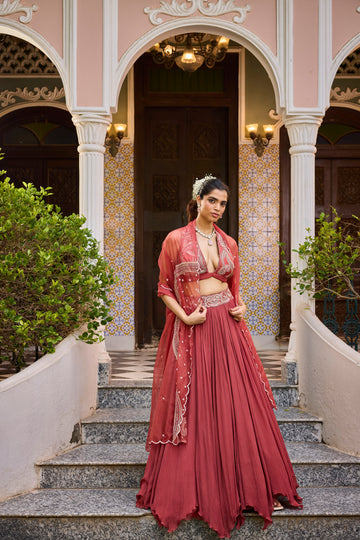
(179, 279)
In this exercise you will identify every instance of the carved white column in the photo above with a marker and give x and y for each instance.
(302, 130)
(91, 131)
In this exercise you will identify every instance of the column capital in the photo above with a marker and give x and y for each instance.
(302, 130)
(91, 130)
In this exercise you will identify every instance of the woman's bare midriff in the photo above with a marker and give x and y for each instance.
(212, 286)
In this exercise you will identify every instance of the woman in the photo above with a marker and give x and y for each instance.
(215, 446)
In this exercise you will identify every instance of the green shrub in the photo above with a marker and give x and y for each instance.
(331, 259)
(52, 278)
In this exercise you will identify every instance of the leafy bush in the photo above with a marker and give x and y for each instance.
(52, 278)
(332, 259)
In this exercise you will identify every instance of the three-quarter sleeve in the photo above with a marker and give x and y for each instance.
(166, 265)
(234, 280)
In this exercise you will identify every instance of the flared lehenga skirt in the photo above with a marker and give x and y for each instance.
(235, 458)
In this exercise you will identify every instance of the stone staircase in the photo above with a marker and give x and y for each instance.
(89, 492)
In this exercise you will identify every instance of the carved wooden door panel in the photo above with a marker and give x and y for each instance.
(182, 144)
(62, 175)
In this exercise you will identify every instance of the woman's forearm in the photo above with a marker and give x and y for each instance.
(198, 316)
(175, 307)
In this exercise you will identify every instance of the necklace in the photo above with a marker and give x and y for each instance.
(208, 236)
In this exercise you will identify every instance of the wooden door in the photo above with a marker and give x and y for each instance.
(40, 146)
(184, 143)
(178, 137)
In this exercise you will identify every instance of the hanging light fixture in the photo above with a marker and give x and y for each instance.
(190, 51)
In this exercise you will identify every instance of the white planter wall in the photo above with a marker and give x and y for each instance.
(329, 381)
(39, 408)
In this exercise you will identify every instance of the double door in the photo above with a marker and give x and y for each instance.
(184, 143)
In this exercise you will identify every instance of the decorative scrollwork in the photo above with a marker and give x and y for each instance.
(273, 115)
(189, 7)
(8, 7)
(9, 97)
(336, 94)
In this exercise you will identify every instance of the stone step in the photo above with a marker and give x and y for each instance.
(130, 425)
(110, 514)
(138, 394)
(122, 466)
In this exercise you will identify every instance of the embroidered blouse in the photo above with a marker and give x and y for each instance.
(225, 267)
(181, 268)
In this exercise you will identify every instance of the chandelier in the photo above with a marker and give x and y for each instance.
(190, 51)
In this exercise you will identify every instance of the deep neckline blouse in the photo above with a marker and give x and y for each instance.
(225, 267)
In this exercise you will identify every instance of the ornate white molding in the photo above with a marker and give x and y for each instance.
(189, 7)
(302, 131)
(336, 94)
(91, 131)
(274, 116)
(8, 7)
(9, 97)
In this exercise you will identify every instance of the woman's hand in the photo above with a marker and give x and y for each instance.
(238, 312)
(196, 317)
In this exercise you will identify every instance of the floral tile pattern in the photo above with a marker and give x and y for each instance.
(258, 237)
(119, 237)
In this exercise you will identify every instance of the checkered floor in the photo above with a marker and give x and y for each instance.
(138, 365)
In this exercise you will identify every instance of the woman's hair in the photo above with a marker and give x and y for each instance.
(207, 186)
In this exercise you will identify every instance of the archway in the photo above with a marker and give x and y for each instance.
(124, 320)
(36, 132)
(40, 146)
(337, 169)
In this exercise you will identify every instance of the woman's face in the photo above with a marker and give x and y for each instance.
(212, 205)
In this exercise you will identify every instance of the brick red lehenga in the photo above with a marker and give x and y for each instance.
(229, 455)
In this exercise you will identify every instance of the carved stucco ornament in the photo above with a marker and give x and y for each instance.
(189, 7)
(344, 95)
(8, 7)
(9, 97)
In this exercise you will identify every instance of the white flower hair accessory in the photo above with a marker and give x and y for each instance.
(198, 184)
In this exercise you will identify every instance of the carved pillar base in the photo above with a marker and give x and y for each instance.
(302, 130)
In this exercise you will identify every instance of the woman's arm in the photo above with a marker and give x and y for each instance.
(196, 317)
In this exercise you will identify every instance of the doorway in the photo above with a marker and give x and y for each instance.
(40, 146)
(185, 127)
(337, 185)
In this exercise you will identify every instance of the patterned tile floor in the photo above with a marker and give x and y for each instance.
(138, 365)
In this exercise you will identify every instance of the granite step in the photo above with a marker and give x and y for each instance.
(110, 514)
(122, 466)
(130, 425)
(138, 394)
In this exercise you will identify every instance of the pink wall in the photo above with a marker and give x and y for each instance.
(47, 21)
(305, 53)
(89, 53)
(346, 23)
(133, 22)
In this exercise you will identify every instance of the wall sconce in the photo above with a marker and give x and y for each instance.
(114, 135)
(260, 142)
